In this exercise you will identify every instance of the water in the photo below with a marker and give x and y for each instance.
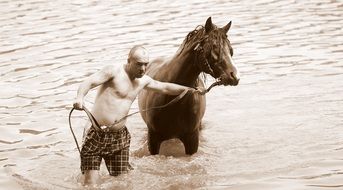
(279, 129)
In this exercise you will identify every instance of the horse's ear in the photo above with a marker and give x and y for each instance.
(227, 27)
(209, 26)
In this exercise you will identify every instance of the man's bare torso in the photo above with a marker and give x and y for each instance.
(115, 97)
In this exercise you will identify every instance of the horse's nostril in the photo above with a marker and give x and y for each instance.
(237, 81)
(233, 76)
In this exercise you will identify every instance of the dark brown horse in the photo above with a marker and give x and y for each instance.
(206, 49)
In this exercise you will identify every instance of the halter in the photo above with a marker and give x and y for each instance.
(199, 51)
(205, 66)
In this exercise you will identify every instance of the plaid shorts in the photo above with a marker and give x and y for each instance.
(112, 146)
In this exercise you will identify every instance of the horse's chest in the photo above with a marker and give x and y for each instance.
(186, 109)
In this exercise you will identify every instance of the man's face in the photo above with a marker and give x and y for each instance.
(139, 62)
(138, 67)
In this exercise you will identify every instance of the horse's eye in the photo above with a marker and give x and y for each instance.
(231, 51)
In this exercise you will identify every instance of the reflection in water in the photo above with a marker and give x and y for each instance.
(279, 128)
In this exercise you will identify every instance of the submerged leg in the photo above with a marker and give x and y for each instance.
(191, 142)
(91, 177)
(154, 142)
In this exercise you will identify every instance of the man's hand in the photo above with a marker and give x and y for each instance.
(199, 90)
(78, 104)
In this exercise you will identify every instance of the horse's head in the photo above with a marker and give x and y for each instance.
(214, 54)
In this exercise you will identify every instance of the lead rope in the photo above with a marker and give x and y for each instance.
(96, 126)
(72, 131)
(179, 97)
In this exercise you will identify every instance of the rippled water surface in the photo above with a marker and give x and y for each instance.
(281, 128)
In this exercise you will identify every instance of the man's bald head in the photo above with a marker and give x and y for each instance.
(139, 54)
(138, 60)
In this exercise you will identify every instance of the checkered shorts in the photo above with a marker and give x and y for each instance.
(112, 146)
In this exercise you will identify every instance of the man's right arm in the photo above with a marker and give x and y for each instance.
(93, 81)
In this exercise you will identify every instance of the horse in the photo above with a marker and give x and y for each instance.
(206, 49)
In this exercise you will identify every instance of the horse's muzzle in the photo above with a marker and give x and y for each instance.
(231, 80)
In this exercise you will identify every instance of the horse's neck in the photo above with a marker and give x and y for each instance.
(182, 69)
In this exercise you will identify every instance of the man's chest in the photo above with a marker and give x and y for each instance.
(126, 89)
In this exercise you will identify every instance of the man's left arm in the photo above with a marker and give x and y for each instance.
(169, 88)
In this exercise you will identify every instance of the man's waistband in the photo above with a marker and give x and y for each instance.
(106, 129)
(102, 129)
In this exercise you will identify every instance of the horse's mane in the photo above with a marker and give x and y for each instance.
(198, 34)
(193, 37)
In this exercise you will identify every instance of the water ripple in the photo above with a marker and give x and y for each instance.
(289, 54)
(35, 132)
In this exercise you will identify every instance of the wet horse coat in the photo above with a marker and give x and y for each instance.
(198, 53)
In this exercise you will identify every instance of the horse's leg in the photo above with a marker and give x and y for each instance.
(191, 142)
(154, 142)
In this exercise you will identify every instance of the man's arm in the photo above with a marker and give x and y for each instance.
(93, 81)
(169, 88)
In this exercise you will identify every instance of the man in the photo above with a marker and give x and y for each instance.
(119, 86)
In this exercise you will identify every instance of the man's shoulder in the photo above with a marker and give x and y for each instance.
(112, 69)
(147, 78)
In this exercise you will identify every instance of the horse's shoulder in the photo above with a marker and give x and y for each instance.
(158, 61)
(155, 65)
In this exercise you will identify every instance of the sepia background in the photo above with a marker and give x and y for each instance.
(280, 128)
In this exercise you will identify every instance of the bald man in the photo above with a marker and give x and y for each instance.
(119, 86)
